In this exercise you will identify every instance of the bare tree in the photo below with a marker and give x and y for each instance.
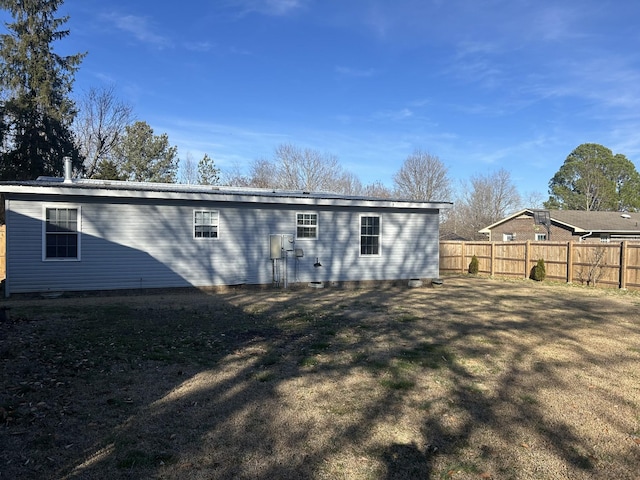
(188, 170)
(377, 189)
(532, 199)
(348, 184)
(263, 174)
(422, 177)
(504, 195)
(234, 176)
(306, 169)
(484, 200)
(591, 272)
(99, 126)
(294, 168)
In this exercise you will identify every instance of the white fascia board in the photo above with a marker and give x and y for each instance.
(617, 232)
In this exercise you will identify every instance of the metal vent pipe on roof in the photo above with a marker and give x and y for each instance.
(67, 169)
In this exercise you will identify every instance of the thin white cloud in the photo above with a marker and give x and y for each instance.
(419, 103)
(206, 47)
(199, 46)
(141, 28)
(624, 139)
(477, 62)
(355, 72)
(227, 144)
(485, 72)
(557, 23)
(276, 8)
(378, 21)
(468, 48)
(282, 7)
(609, 82)
(394, 115)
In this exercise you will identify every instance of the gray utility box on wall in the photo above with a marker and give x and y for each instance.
(280, 243)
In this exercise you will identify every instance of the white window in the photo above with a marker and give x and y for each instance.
(541, 236)
(370, 235)
(508, 237)
(61, 233)
(306, 225)
(205, 223)
(604, 238)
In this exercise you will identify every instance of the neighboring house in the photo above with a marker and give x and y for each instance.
(578, 225)
(83, 234)
(452, 237)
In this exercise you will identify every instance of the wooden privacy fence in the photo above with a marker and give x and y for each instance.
(614, 265)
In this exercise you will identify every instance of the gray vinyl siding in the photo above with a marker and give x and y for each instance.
(145, 244)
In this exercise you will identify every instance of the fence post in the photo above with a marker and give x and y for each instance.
(492, 268)
(527, 260)
(570, 261)
(464, 250)
(623, 265)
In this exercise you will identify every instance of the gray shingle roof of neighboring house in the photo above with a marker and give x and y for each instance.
(609, 222)
(581, 221)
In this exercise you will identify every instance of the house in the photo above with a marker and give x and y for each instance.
(565, 225)
(79, 234)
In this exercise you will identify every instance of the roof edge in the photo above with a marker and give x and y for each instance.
(116, 188)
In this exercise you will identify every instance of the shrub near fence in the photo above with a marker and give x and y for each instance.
(613, 265)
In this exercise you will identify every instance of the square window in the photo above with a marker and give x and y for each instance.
(205, 223)
(306, 225)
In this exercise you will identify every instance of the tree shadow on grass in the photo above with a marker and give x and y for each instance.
(324, 384)
(406, 462)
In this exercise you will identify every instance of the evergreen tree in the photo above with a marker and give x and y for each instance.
(36, 110)
(208, 173)
(142, 156)
(107, 170)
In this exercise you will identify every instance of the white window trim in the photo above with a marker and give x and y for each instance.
(316, 226)
(44, 232)
(193, 224)
(543, 237)
(367, 255)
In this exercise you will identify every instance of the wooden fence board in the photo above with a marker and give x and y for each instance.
(632, 270)
(510, 259)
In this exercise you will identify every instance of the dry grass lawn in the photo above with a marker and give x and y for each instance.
(478, 379)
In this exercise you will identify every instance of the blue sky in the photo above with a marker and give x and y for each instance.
(483, 85)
